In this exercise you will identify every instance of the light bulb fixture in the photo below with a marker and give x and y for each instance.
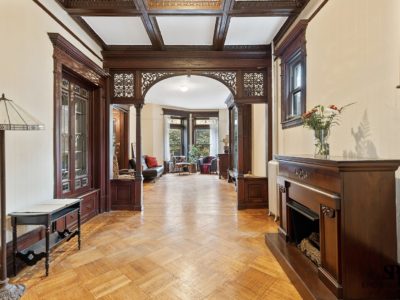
(184, 88)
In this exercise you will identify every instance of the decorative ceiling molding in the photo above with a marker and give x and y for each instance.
(221, 28)
(184, 4)
(100, 7)
(150, 23)
(149, 9)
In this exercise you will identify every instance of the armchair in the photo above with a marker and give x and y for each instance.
(207, 165)
(174, 161)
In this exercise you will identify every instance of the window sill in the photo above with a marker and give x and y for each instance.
(290, 123)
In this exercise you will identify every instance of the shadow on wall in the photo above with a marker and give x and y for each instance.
(364, 148)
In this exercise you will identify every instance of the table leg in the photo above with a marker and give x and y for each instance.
(15, 245)
(79, 229)
(47, 249)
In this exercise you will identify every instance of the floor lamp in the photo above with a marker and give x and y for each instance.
(12, 117)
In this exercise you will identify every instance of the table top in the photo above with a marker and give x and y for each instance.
(47, 207)
(183, 164)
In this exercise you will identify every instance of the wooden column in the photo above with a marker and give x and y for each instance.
(138, 171)
(240, 161)
(244, 150)
(230, 160)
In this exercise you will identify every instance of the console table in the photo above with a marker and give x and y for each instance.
(351, 205)
(45, 214)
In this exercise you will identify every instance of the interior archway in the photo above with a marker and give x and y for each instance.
(189, 92)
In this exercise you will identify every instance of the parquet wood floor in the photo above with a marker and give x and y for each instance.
(190, 242)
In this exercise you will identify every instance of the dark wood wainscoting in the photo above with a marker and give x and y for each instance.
(123, 195)
(255, 193)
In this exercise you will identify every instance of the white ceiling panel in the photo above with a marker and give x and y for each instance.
(253, 30)
(119, 30)
(178, 30)
(194, 92)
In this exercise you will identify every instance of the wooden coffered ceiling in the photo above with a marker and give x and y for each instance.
(154, 14)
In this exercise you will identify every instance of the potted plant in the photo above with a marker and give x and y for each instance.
(321, 119)
(194, 155)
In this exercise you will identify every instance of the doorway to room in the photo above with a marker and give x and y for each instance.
(185, 120)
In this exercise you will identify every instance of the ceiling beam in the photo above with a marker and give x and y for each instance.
(85, 26)
(150, 23)
(222, 24)
(94, 11)
(99, 8)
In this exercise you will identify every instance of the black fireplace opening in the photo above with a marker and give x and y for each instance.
(304, 224)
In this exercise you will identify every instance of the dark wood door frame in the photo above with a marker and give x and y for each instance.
(68, 57)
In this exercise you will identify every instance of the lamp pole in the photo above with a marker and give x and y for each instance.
(12, 117)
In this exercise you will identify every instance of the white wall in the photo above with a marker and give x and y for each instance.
(27, 77)
(152, 130)
(259, 129)
(353, 55)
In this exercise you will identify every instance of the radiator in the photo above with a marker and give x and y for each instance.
(273, 193)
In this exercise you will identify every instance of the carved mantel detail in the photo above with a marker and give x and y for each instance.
(327, 211)
(282, 189)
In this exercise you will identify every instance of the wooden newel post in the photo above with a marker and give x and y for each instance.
(138, 171)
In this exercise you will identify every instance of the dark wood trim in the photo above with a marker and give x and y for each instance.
(176, 112)
(151, 26)
(291, 51)
(123, 52)
(60, 42)
(68, 58)
(67, 29)
(138, 171)
(86, 27)
(195, 114)
(307, 282)
(222, 25)
(286, 45)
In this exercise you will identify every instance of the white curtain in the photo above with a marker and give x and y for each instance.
(167, 153)
(213, 136)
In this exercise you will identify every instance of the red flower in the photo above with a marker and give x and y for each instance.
(334, 107)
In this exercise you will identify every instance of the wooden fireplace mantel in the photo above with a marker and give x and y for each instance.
(355, 202)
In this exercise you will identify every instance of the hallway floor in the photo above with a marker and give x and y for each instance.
(190, 242)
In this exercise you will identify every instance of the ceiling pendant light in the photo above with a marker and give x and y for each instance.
(184, 88)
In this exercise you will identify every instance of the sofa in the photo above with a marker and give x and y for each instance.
(207, 165)
(149, 173)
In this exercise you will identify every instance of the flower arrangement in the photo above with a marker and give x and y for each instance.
(321, 119)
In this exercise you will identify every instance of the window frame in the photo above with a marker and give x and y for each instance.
(292, 51)
(181, 127)
(201, 127)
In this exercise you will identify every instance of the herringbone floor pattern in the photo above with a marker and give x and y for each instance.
(190, 242)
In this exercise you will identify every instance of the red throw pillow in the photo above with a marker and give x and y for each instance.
(151, 161)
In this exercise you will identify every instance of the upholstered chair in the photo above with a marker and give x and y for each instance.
(207, 165)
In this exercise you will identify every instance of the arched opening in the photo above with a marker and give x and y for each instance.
(183, 116)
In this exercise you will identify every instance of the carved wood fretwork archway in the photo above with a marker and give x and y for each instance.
(131, 86)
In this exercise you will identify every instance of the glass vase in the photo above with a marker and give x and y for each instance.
(321, 143)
